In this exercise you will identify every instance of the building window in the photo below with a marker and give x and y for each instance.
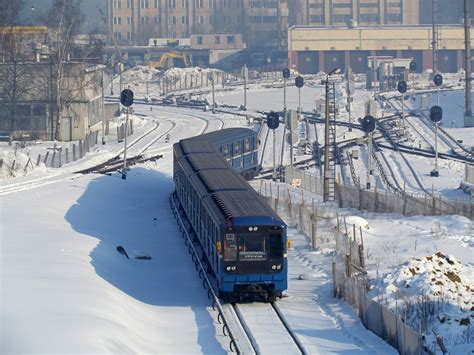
(172, 3)
(200, 20)
(217, 40)
(211, 20)
(199, 40)
(157, 19)
(199, 3)
(184, 20)
(117, 20)
(230, 39)
(128, 3)
(144, 4)
(129, 20)
(129, 36)
(156, 4)
(117, 4)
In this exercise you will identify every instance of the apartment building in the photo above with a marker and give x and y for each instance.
(263, 23)
(363, 12)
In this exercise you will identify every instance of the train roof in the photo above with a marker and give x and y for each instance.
(205, 161)
(242, 204)
(226, 135)
(216, 180)
(225, 193)
(196, 146)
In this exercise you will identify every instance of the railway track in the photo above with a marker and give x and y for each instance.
(102, 168)
(266, 329)
(241, 322)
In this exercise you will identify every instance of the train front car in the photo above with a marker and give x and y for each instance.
(243, 241)
(254, 264)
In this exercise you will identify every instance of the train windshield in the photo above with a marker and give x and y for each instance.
(252, 247)
(230, 247)
(275, 245)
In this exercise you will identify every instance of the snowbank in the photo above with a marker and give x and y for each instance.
(141, 73)
(14, 164)
(434, 293)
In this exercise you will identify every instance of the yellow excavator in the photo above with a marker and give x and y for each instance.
(169, 60)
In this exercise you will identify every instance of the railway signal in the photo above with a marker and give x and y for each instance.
(436, 115)
(245, 74)
(286, 75)
(273, 121)
(368, 125)
(212, 78)
(402, 88)
(350, 89)
(126, 99)
(291, 123)
(413, 70)
(299, 83)
(438, 81)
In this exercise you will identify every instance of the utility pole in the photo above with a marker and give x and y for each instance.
(124, 169)
(213, 92)
(468, 121)
(434, 42)
(103, 107)
(245, 74)
(326, 143)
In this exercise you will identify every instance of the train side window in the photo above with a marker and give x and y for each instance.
(275, 245)
(226, 150)
(236, 148)
(247, 145)
(230, 248)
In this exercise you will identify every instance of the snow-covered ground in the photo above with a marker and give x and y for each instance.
(65, 288)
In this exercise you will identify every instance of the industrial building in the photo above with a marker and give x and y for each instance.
(262, 23)
(364, 12)
(312, 49)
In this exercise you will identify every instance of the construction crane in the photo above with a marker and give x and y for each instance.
(166, 60)
(120, 57)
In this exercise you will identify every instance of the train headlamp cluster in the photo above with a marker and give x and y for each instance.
(254, 229)
(276, 267)
(231, 268)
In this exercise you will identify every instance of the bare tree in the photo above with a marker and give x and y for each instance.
(70, 19)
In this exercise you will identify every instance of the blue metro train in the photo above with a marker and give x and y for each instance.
(241, 237)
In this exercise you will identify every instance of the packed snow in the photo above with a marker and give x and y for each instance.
(65, 288)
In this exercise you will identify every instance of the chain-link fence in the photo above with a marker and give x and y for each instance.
(381, 201)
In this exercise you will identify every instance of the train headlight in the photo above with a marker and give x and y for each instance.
(274, 267)
(279, 267)
(233, 268)
(228, 268)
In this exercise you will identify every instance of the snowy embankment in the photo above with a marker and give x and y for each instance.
(435, 294)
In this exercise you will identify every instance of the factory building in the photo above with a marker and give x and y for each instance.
(312, 49)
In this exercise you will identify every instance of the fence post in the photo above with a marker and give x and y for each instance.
(67, 155)
(118, 134)
(46, 157)
(334, 279)
(80, 149)
(54, 155)
(74, 152)
(277, 198)
(60, 157)
(313, 227)
(39, 159)
(131, 127)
